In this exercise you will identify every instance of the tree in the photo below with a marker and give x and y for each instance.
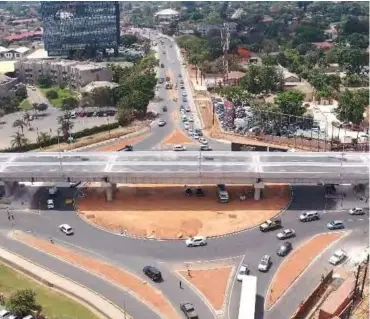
(290, 102)
(125, 116)
(69, 103)
(43, 138)
(352, 104)
(65, 125)
(22, 302)
(18, 140)
(45, 81)
(101, 96)
(235, 94)
(52, 94)
(21, 92)
(128, 40)
(353, 59)
(260, 79)
(42, 107)
(20, 124)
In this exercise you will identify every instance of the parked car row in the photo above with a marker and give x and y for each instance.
(5, 314)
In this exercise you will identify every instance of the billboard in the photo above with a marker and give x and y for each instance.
(238, 147)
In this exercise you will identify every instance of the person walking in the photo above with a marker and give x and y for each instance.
(180, 284)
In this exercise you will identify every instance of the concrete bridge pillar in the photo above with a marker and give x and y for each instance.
(9, 188)
(258, 190)
(110, 189)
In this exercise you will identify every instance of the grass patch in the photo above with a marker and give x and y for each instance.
(25, 105)
(62, 94)
(54, 304)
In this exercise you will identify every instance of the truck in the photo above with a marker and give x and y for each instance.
(222, 193)
(271, 225)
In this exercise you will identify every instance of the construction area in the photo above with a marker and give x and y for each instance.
(166, 212)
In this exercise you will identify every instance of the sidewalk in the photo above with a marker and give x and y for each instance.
(101, 305)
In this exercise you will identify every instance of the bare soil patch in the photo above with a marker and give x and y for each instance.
(294, 265)
(143, 291)
(165, 212)
(121, 143)
(177, 137)
(201, 279)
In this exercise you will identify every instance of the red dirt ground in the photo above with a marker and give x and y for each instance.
(119, 276)
(177, 137)
(296, 263)
(165, 212)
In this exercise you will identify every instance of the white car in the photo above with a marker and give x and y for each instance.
(4, 313)
(186, 125)
(65, 228)
(356, 211)
(337, 257)
(203, 141)
(196, 241)
(243, 271)
(191, 119)
(50, 204)
(178, 148)
(196, 136)
(265, 263)
(286, 233)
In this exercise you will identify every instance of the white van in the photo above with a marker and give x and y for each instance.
(50, 204)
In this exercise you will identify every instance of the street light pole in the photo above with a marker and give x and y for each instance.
(60, 153)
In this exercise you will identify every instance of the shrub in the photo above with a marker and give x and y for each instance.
(52, 94)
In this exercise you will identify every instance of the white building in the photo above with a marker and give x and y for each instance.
(166, 15)
(13, 53)
(73, 73)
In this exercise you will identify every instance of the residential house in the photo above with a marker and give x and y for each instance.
(323, 45)
(13, 53)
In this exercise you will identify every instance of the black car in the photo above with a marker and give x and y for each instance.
(284, 249)
(128, 148)
(164, 108)
(200, 192)
(205, 148)
(153, 273)
(198, 131)
(188, 310)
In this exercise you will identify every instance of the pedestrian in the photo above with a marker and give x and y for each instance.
(322, 277)
(12, 216)
(189, 274)
(9, 217)
(180, 283)
(51, 240)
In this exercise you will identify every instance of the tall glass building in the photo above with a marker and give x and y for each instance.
(80, 26)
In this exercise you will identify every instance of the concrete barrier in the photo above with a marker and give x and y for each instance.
(306, 305)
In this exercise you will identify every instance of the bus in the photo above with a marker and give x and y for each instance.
(247, 305)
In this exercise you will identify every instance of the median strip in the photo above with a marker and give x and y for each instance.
(296, 263)
(143, 291)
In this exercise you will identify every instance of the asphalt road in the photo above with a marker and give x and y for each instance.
(134, 254)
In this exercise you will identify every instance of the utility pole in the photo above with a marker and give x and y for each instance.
(355, 293)
(225, 45)
(364, 277)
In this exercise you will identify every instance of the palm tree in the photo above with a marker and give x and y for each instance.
(20, 124)
(43, 138)
(19, 140)
(65, 125)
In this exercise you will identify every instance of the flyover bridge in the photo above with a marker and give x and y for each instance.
(159, 167)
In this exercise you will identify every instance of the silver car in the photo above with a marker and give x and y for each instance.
(265, 263)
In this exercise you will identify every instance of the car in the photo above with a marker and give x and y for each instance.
(183, 112)
(270, 225)
(203, 141)
(186, 125)
(153, 273)
(196, 241)
(50, 203)
(12, 317)
(179, 147)
(357, 211)
(196, 136)
(179, 75)
(182, 87)
(161, 123)
(199, 131)
(188, 109)
(205, 148)
(309, 216)
(4, 313)
(189, 311)
(265, 263)
(286, 233)
(337, 257)
(284, 249)
(243, 270)
(28, 317)
(181, 82)
(184, 94)
(199, 192)
(191, 119)
(222, 193)
(53, 190)
(335, 224)
(164, 109)
(65, 228)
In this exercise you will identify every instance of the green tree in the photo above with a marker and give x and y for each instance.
(42, 107)
(290, 102)
(101, 97)
(65, 125)
(353, 59)
(128, 40)
(235, 94)
(125, 116)
(52, 94)
(43, 138)
(352, 104)
(20, 124)
(260, 79)
(21, 92)
(69, 103)
(18, 140)
(45, 81)
(22, 302)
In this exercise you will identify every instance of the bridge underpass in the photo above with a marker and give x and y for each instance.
(186, 168)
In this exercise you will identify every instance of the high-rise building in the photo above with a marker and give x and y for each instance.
(74, 27)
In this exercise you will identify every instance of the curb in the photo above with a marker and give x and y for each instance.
(345, 233)
(57, 287)
(125, 234)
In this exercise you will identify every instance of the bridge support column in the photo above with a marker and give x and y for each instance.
(110, 189)
(258, 189)
(9, 188)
